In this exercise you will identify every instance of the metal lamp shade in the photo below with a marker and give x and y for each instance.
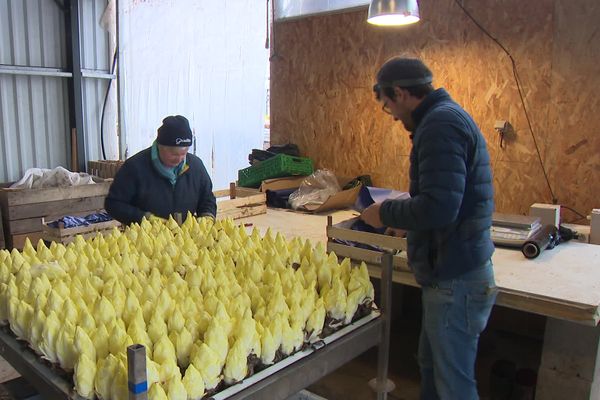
(393, 12)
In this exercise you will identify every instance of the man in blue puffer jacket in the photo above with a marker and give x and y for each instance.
(163, 179)
(447, 220)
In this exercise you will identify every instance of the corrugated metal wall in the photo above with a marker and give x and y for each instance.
(34, 119)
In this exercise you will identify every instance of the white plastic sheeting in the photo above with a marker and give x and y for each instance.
(205, 60)
(285, 9)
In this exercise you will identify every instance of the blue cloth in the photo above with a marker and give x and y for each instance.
(71, 221)
(455, 312)
(449, 214)
(139, 188)
(98, 217)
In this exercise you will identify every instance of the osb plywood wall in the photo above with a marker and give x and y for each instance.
(323, 69)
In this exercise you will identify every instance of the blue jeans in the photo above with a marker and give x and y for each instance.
(455, 312)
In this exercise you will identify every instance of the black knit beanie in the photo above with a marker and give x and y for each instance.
(404, 72)
(175, 131)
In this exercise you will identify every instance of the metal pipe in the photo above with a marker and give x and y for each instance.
(136, 372)
(93, 73)
(53, 72)
(383, 385)
(76, 84)
(34, 71)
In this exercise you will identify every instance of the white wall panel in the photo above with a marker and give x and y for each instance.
(205, 60)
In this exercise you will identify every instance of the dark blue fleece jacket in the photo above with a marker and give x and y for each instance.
(449, 214)
(139, 188)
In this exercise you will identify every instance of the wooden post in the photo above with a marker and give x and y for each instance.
(232, 193)
(136, 372)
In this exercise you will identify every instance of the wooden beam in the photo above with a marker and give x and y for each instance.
(368, 256)
(51, 207)
(375, 239)
(14, 197)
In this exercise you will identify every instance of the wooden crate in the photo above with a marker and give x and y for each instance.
(388, 243)
(67, 235)
(104, 168)
(23, 209)
(238, 202)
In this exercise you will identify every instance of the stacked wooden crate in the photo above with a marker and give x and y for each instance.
(67, 235)
(351, 241)
(23, 209)
(104, 168)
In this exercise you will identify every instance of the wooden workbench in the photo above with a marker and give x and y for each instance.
(562, 284)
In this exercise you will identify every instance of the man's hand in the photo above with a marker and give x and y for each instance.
(401, 233)
(371, 216)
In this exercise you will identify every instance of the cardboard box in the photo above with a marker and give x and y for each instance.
(287, 182)
(343, 199)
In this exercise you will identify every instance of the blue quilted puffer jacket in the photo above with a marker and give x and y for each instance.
(449, 214)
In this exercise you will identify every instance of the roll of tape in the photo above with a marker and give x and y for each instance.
(539, 242)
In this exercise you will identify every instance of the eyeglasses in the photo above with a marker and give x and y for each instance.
(386, 109)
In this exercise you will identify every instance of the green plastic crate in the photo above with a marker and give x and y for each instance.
(274, 167)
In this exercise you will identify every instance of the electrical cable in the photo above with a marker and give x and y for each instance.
(518, 82)
(520, 90)
(580, 215)
(112, 71)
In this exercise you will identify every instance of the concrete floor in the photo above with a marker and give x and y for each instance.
(7, 372)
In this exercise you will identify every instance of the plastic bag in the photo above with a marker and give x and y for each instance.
(315, 190)
(36, 178)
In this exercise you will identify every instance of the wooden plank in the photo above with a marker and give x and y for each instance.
(244, 192)
(52, 207)
(260, 198)
(14, 197)
(368, 256)
(35, 224)
(62, 232)
(239, 192)
(547, 306)
(389, 242)
(243, 212)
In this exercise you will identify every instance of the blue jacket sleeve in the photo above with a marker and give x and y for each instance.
(441, 154)
(120, 198)
(207, 203)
